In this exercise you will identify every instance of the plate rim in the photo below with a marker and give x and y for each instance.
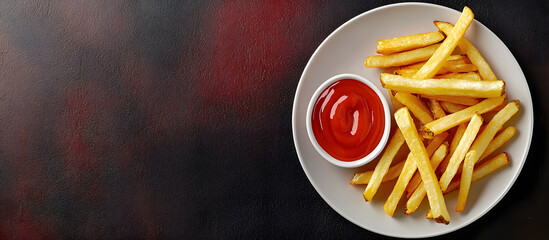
(315, 185)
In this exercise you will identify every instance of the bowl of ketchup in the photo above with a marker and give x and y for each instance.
(348, 120)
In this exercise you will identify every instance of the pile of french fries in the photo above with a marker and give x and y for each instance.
(449, 112)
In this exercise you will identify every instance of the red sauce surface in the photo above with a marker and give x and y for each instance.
(348, 120)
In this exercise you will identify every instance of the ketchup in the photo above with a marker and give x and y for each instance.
(348, 120)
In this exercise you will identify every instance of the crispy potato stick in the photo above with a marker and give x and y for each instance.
(466, 178)
(473, 54)
(462, 148)
(417, 149)
(364, 177)
(415, 106)
(431, 147)
(456, 67)
(419, 193)
(447, 47)
(453, 67)
(397, 140)
(436, 109)
(407, 73)
(454, 119)
(429, 214)
(407, 172)
(482, 170)
(401, 59)
(479, 146)
(469, 101)
(405, 43)
(452, 87)
(498, 141)
(396, 104)
(452, 60)
(473, 76)
(460, 130)
(452, 107)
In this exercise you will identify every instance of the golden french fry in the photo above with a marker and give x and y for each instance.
(364, 177)
(405, 43)
(417, 149)
(473, 76)
(451, 87)
(435, 143)
(415, 106)
(396, 104)
(482, 170)
(402, 58)
(462, 148)
(460, 130)
(498, 141)
(442, 124)
(397, 140)
(414, 201)
(473, 54)
(479, 146)
(407, 172)
(429, 214)
(406, 72)
(466, 178)
(436, 109)
(447, 47)
(469, 101)
(452, 107)
(451, 60)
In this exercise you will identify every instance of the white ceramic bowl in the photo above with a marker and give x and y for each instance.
(387, 128)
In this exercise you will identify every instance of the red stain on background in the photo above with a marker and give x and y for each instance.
(251, 46)
(87, 137)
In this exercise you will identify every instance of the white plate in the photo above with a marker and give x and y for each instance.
(344, 51)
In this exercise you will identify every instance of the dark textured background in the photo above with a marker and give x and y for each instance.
(172, 119)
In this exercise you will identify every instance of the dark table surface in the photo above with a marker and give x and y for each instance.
(172, 119)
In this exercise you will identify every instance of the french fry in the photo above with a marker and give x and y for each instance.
(473, 76)
(402, 58)
(458, 155)
(406, 72)
(460, 130)
(416, 198)
(429, 214)
(479, 146)
(435, 143)
(452, 87)
(396, 104)
(405, 43)
(406, 173)
(442, 124)
(397, 140)
(364, 177)
(415, 106)
(469, 101)
(482, 170)
(466, 178)
(447, 47)
(498, 141)
(452, 107)
(444, 70)
(472, 52)
(417, 149)
(436, 109)
(451, 60)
